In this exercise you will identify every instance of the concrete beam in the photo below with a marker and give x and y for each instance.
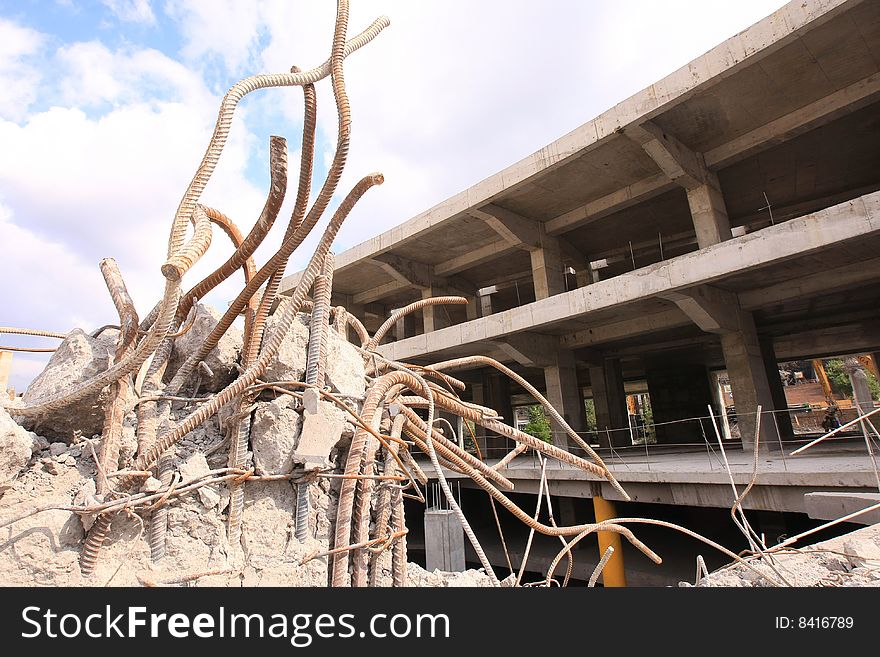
(827, 228)
(678, 163)
(530, 349)
(831, 506)
(404, 270)
(823, 282)
(474, 258)
(809, 117)
(712, 309)
(688, 169)
(409, 273)
(380, 292)
(830, 341)
(621, 199)
(627, 328)
(519, 231)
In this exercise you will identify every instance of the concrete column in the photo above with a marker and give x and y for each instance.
(748, 380)
(405, 327)
(478, 396)
(709, 212)
(584, 277)
(609, 399)
(473, 307)
(777, 392)
(435, 317)
(497, 390)
(564, 394)
(861, 390)
(444, 541)
(485, 305)
(548, 271)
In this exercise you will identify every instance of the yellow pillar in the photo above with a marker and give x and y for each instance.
(613, 573)
(819, 367)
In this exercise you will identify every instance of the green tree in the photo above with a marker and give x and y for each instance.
(539, 425)
(840, 383)
(590, 412)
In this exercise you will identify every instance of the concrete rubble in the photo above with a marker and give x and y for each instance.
(44, 549)
(78, 358)
(221, 362)
(850, 560)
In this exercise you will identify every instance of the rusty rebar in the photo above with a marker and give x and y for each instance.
(114, 410)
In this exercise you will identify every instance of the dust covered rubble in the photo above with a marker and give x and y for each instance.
(44, 549)
(77, 359)
(850, 560)
(221, 363)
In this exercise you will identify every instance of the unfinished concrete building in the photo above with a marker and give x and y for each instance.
(726, 218)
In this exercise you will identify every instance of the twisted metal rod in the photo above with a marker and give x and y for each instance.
(411, 308)
(240, 433)
(36, 332)
(388, 498)
(361, 510)
(548, 408)
(166, 310)
(243, 255)
(300, 206)
(114, 411)
(287, 311)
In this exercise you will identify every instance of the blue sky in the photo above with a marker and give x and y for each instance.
(108, 106)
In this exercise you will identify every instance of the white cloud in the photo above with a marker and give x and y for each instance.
(19, 77)
(78, 185)
(452, 92)
(223, 28)
(133, 11)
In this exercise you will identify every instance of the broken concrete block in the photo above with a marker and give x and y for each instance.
(289, 363)
(345, 366)
(862, 552)
(78, 358)
(275, 431)
(16, 447)
(151, 485)
(320, 433)
(85, 496)
(223, 359)
(196, 466)
(57, 449)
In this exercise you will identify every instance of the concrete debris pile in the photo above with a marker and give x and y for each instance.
(175, 447)
(849, 560)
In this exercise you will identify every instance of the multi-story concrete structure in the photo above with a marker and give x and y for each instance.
(725, 218)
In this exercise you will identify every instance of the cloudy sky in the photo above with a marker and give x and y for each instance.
(107, 107)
